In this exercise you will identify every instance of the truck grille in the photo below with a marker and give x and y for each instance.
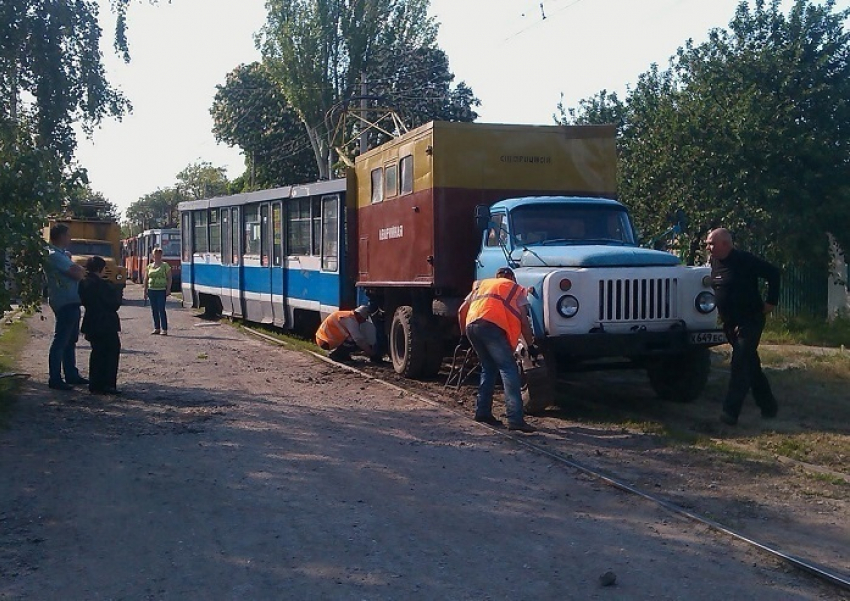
(638, 299)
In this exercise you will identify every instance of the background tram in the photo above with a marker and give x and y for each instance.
(137, 253)
(273, 256)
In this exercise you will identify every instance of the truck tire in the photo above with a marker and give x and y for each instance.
(681, 379)
(538, 387)
(408, 343)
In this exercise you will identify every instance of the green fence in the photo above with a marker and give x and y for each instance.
(803, 292)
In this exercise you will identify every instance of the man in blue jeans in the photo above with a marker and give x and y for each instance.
(493, 316)
(63, 278)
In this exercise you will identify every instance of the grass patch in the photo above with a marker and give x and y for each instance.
(821, 363)
(13, 337)
(808, 331)
(291, 340)
(828, 449)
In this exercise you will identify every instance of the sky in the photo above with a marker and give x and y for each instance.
(516, 62)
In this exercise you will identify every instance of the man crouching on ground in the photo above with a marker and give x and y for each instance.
(344, 332)
(493, 316)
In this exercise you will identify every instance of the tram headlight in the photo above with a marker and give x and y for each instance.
(705, 302)
(567, 306)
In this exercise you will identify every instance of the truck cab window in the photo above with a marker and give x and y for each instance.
(498, 230)
(377, 185)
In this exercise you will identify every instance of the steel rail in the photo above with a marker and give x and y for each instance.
(811, 568)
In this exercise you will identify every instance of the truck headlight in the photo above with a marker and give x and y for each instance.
(567, 306)
(705, 302)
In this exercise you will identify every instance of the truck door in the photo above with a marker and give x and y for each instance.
(494, 243)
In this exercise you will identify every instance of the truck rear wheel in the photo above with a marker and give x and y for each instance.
(682, 378)
(408, 343)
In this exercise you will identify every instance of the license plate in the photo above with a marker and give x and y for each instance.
(708, 338)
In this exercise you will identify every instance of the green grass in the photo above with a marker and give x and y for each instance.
(293, 341)
(808, 331)
(13, 337)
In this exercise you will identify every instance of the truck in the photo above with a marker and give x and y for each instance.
(449, 203)
(90, 237)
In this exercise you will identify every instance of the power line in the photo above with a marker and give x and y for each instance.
(543, 18)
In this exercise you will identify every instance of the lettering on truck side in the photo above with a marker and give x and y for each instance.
(388, 233)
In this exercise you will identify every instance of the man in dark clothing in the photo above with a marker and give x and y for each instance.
(735, 278)
(101, 325)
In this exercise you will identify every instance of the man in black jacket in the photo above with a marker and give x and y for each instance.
(101, 325)
(735, 278)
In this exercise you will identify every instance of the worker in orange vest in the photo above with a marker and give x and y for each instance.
(492, 317)
(344, 332)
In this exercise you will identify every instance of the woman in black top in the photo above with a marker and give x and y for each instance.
(100, 327)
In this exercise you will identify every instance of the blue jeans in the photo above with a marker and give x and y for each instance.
(157, 299)
(496, 355)
(63, 349)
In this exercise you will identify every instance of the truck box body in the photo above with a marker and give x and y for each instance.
(417, 194)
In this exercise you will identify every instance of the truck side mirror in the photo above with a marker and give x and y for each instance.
(482, 217)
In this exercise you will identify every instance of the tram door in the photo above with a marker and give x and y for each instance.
(235, 270)
(227, 262)
(265, 289)
(278, 273)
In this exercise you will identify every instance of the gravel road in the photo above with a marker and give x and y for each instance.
(234, 470)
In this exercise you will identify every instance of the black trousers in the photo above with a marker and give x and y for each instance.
(103, 361)
(746, 367)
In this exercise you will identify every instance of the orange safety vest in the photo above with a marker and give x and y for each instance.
(332, 332)
(495, 300)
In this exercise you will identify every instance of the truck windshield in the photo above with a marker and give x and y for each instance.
(560, 223)
(80, 247)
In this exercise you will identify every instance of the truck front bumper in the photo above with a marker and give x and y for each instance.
(633, 345)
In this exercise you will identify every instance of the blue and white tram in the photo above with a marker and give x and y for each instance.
(274, 256)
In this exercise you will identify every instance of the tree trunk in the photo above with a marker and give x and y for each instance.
(320, 150)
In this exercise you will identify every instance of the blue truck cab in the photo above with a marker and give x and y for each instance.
(596, 297)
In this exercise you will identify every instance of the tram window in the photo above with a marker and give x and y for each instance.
(187, 238)
(406, 169)
(277, 235)
(298, 227)
(330, 233)
(377, 185)
(226, 252)
(251, 248)
(235, 236)
(265, 249)
(201, 239)
(316, 205)
(215, 233)
(391, 180)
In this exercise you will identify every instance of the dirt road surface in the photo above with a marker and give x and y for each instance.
(233, 470)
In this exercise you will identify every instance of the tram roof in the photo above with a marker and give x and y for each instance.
(333, 186)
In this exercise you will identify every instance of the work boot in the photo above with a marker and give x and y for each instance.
(490, 420)
(522, 427)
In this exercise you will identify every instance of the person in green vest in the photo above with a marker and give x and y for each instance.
(157, 289)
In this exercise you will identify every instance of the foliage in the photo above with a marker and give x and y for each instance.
(159, 209)
(84, 203)
(250, 111)
(317, 51)
(749, 130)
(808, 331)
(51, 77)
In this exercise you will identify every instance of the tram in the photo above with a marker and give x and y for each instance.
(137, 252)
(273, 256)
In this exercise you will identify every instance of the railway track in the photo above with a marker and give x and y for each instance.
(434, 395)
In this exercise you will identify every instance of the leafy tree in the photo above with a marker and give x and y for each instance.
(202, 180)
(317, 51)
(159, 209)
(85, 203)
(250, 111)
(51, 76)
(750, 130)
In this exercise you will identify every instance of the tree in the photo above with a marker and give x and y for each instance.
(159, 209)
(250, 111)
(750, 130)
(51, 76)
(318, 50)
(202, 180)
(85, 203)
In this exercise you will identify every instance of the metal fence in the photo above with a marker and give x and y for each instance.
(803, 292)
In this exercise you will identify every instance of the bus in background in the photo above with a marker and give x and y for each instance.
(138, 250)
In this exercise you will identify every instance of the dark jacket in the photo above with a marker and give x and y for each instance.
(735, 280)
(101, 300)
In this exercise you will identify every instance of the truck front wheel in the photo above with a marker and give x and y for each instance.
(408, 343)
(681, 378)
